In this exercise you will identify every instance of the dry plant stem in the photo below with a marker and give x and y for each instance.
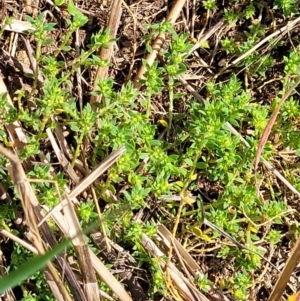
(99, 267)
(38, 79)
(272, 169)
(268, 165)
(194, 14)
(3, 10)
(64, 146)
(205, 24)
(14, 129)
(19, 241)
(284, 277)
(186, 289)
(101, 221)
(7, 295)
(177, 219)
(281, 31)
(109, 279)
(106, 54)
(53, 286)
(187, 261)
(270, 124)
(65, 268)
(13, 44)
(88, 180)
(61, 158)
(192, 265)
(206, 36)
(29, 52)
(15, 63)
(182, 264)
(134, 46)
(53, 6)
(183, 196)
(187, 18)
(18, 26)
(29, 202)
(81, 248)
(212, 226)
(78, 72)
(170, 252)
(158, 42)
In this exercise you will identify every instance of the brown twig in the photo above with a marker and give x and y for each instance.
(158, 42)
(106, 54)
(284, 277)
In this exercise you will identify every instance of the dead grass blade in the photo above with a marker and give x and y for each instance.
(62, 159)
(3, 10)
(69, 225)
(284, 277)
(29, 202)
(102, 225)
(53, 286)
(187, 260)
(18, 240)
(96, 173)
(81, 248)
(34, 66)
(186, 289)
(18, 26)
(285, 29)
(272, 169)
(270, 124)
(89, 179)
(14, 129)
(109, 279)
(7, 295)
(12, 61)
(206, 36)
(190, 262)
(99, 267)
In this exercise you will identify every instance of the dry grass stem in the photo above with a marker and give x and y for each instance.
(21, 242)
(159, 41)
(106, 54)
(186, 289)
(62, 159)
(18, 26)
(29, 203)
(284, 277)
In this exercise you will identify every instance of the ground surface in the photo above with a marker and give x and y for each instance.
(183, 162)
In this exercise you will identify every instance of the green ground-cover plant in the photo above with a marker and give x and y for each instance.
(195, 145)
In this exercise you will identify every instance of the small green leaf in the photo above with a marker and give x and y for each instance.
(188, 161)
(66, 48)
(59, 2)
(202, 165)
